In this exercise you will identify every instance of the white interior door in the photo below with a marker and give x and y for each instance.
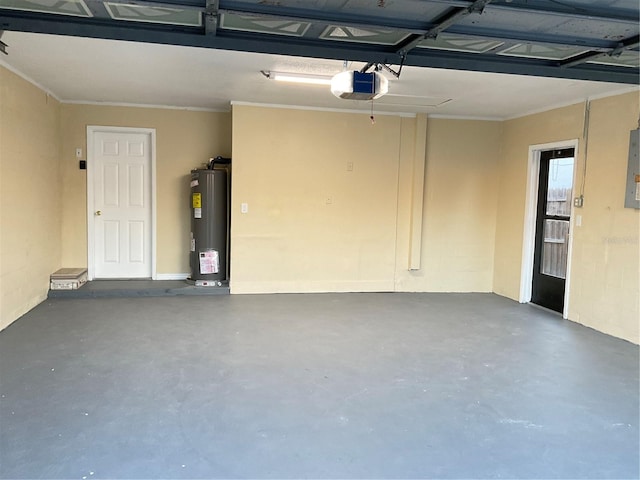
(121, 167)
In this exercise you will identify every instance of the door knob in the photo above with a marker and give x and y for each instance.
(98, 213)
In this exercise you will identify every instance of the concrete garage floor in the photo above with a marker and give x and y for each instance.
(138, 288)
(314, 386)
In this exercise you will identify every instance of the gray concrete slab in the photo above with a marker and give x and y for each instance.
(314, 386)
(138, 288)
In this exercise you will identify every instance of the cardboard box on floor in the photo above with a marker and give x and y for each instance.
(68, 278)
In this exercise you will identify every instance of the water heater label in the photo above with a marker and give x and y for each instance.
(194, 183)
(196, 200)
(209, 262)
(197, 212)
(193, 244)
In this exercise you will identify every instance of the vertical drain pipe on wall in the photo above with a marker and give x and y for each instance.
(585, 139)
(417, 192)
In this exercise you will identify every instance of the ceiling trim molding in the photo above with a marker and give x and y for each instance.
(143, 105)
(322, 109)
(442, 116)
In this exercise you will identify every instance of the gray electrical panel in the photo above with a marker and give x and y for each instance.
(209, 222)
(632, 191)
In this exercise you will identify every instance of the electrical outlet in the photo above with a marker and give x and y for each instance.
(578, 201)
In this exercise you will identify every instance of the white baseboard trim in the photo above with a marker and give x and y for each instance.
(308, 286)
(172, 276)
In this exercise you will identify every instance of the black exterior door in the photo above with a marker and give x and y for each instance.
(555, 191)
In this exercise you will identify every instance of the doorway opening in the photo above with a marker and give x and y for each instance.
(553, 219)
(546, 262)
(121, 211)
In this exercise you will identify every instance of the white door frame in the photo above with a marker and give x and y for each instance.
(91, 131)
(530, 217)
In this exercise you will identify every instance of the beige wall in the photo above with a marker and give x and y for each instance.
(30, 195)
(459, 214)
(604, 288)
(605, 273)
(185, 139)
(313, 225)
(293, 240)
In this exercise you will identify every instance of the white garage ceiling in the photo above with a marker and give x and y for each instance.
(78, 69)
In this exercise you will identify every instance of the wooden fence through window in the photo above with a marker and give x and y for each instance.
(556, 233)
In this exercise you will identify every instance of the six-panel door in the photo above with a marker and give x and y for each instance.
(122, 205)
